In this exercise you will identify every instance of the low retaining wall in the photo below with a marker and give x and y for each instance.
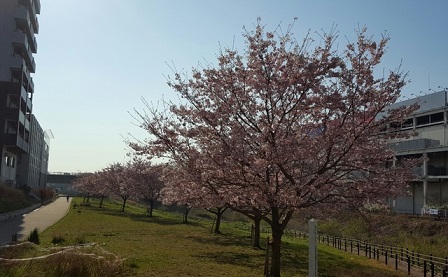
(21, 212)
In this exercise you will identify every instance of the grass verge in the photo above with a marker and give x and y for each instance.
(163, 246)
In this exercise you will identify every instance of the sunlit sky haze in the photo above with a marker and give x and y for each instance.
(97, 58)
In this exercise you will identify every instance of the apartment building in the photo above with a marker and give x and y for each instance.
(429, 139)
(18, 26)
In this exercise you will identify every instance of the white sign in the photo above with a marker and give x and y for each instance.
(312, 261)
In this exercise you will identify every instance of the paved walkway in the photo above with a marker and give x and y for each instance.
(41, 218)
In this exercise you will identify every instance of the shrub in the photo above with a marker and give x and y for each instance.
(34, 236)
(57, 239)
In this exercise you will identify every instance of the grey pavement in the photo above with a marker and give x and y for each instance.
(41, 218)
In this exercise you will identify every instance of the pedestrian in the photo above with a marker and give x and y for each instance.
(68, 197)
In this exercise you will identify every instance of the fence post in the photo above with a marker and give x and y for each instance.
(446, 263)
(424, 268)
(358, 247)
(409, 265)
(431, 265)
(266, 259)
(252, 234)
(213, 225)
(312, 258)
(396, 261)
(432, 269)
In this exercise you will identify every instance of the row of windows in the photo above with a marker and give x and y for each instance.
(420, 121)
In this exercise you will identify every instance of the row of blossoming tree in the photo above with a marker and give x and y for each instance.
(137, 179)
(283, 126)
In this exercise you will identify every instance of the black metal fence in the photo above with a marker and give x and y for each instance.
(399, 257)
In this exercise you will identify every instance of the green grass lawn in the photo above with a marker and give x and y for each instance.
(164, 246)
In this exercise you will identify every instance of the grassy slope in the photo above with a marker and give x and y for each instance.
(162, 246)
(12, 199)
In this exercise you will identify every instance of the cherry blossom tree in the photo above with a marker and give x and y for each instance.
(92, 185)
(182, 184)
(85, 185)
(146, 181)
(116, 180)
(283, 127)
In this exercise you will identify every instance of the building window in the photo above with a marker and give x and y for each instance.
(436, 117)
(408, 123)
(423, 120)
(430, 119)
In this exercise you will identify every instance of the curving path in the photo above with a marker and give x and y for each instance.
(41, 218)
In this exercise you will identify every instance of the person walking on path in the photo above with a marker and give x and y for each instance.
(41, 218)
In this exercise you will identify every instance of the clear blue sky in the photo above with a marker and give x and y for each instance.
(97, 58)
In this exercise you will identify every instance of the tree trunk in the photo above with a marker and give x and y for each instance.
(150, 207)
(101, 201)
(218, 223)
(218, 212)
(276, 244)
(257, 232)
(186, 212)
(256, 216)
(124, 203)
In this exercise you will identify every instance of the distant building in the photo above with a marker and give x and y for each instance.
(18, 128)
(62, 182)
(429, 122)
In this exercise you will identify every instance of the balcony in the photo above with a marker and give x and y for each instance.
(22, 48)
(26, 99)
(23, 19)
(14, 141)
(412, 145)
(432, 172)
(37, 6)
(35, 23)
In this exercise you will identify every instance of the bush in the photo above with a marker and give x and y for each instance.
(46, 194)
(12, 199)
(34, 236)
(57, 239)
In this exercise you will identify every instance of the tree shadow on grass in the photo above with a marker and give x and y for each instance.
(154, 219)
(253, 260)
(223, 240)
